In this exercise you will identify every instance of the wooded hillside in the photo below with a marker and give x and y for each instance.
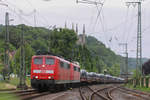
(94, 56)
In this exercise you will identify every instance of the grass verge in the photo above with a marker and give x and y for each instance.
(12, 83)
(7, 96)
(144, 89)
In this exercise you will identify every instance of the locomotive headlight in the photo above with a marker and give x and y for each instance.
(36, 77)
(49, 77)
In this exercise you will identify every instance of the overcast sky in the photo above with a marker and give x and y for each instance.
(116, 24)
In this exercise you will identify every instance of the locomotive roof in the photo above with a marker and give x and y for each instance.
(62, 59)
(52, 57)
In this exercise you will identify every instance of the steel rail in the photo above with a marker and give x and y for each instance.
(98, 94)
(132, 93)
(127, 91)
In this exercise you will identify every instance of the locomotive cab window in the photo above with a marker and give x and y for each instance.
(78, 69)
(38, 61)
(61, 64)
(75, 68)
(68, 66)
(49, 61)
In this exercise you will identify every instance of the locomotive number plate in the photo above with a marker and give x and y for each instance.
(50, 71)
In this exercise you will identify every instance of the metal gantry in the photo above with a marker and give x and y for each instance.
(89, 2)
(125, 71)
(139, 41)
(139, 38)
(99, 2)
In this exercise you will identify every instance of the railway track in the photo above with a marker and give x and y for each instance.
(136, 91)
(131, 94)
(104, 94)
(5, 90)
(140, 95)
(13, 90)
(101, 94)
(112, 93)
(96, 92)
(26, 94)
(33, 95)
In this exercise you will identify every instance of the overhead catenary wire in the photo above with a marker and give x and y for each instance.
(16, 11)
(18, 14)
(125, 26)
(31, 14)
(91, 19)
(130, 26)
(104, 28)
(100, 16)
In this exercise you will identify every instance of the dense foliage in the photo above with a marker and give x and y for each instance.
(146, 68)
(93, 56)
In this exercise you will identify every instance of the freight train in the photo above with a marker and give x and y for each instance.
(53, 72)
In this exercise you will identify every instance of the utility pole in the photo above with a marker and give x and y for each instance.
(51, 28)
(6, 56)
(139, 39)
(83, 36)
(5, 48)
(22, 83)
(125, 73)
(65, 24)
(72, 26)
(49, 43)
(77, 29)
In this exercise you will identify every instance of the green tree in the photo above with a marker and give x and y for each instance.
(114, 70)
(62, 42)
(28, 55)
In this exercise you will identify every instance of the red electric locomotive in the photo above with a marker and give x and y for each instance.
(52, 71)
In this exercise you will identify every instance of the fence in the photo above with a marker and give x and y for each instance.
(142, 82)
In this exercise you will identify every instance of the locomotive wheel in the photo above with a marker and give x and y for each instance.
(52, 89)
(65, 86)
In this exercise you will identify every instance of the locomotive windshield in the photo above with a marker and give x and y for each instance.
(49, 61)
(38, 61)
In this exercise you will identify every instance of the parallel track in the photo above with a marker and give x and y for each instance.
(25, 94)
(86, 93)
(135, 93)
(138, 94)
